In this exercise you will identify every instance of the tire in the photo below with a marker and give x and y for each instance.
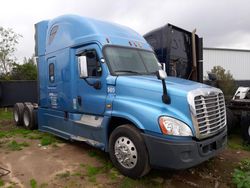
(18, 114)
(29, 120)
(128, 138)
(27, 103)
(248, 95)
(245, 128)
(232, 120)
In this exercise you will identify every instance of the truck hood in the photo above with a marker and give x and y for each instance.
(175, 86)
(145, 93)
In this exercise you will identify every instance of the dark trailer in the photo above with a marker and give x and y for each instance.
(12, 92)
(178, 50)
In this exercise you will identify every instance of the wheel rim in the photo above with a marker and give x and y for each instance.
(16, 116)
(125, 152)
(249, 130)
(26, 118)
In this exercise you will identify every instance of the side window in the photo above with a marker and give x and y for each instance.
(94, 65)
(51, 72)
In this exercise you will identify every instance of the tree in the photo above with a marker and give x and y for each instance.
(225, 81)
(26, 71)
(8, 42)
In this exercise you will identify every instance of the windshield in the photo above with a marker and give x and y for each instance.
(130, 61)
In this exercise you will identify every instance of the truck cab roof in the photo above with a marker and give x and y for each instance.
(71, 30)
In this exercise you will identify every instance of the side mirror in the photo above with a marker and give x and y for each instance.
(160, 65)
(83, 67)
(161, 74)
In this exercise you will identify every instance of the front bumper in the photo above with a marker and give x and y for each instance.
(179, 154)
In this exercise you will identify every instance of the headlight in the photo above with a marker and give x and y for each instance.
(171, 126)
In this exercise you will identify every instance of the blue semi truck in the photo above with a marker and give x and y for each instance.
(101, 83)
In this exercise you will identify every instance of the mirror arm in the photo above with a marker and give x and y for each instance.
(165, 97)
(161, 75)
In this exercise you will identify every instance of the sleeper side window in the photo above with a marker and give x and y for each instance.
(94, 65)
(51, 72)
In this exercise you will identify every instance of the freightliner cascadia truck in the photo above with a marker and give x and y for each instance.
(101, 83)
(181, 54)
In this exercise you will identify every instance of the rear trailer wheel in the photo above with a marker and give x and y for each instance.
(18, 114)
(29, 120)
(245, 128)
(128, 151)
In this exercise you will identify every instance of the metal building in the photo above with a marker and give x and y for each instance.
(235, 60)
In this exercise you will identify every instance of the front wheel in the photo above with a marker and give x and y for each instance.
(245, 128)
(128, 151)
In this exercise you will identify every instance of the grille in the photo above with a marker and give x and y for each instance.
(210, 113)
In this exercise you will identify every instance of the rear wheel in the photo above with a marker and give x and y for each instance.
(18, 114)
(29, 119)
(245, 128)
(128, 151)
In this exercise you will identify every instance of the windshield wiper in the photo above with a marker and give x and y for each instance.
(128, 71)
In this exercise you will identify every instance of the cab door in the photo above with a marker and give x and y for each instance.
(91, 90)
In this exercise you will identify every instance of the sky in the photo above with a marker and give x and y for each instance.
(222, 24)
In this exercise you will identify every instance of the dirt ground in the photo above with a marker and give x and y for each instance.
(72, 164)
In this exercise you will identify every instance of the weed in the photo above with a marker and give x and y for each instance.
(235, 142)
(92, 153)
(43, 185)
(1, 183)
(48, 139)
(245, 165)
(64, 174)
(2, 134)
(5, 114)
(45, 138)
(101, 157)
(246, 146)
(23, 132)
(151, 180)
(33, 183)
(35, 135)
(92, 171)
(77, 174)
(241, 178)
(92, 179)
(107, 165)
(128, 183)
(15, 146)
(14, 132)
(82, 165)
(241, 175)
(113, 174)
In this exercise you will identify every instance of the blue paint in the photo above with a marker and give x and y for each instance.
(65, 97)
